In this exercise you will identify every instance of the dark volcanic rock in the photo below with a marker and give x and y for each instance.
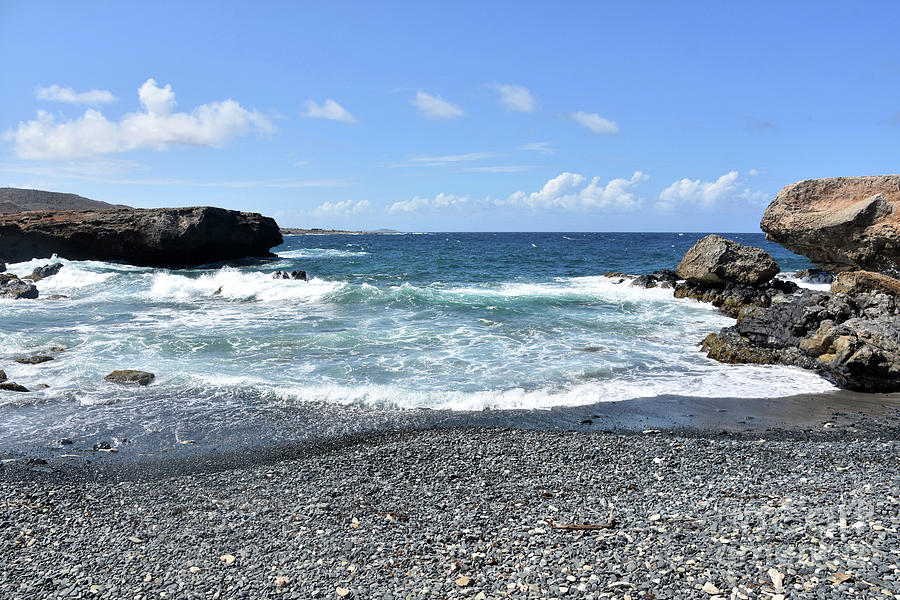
(664, 278)
(851, 339)
(715, 260)
(2, 266)
(130, 376)
(162, 237)
(297, 275)
(2, 376)
(45, 271)
(814, 276)
(733, 298)
(34, 360)
(11, 386)
(841, 224)
(13, 287)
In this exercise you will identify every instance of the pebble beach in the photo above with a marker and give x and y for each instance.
(474, 513)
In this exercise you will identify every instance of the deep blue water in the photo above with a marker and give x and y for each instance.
(460, 321)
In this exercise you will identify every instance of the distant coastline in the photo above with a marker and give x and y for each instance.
(319, 231)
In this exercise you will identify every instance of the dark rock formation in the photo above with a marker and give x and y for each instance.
(2, 266)
(163, 237)
(14, 200)
(715, 260)
(34, 360)
(663, 278)
(11, 386)
(850, 339)
(814, 276)
(841, 224)
(13, 287)
(855, 282)
(46, 271)
(130, 376)
(732, 298)
(298, 275)
(2, 376)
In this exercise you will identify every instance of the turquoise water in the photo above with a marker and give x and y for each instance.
(458, 321)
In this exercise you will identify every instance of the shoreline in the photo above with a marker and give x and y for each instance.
(475, 513)
(829, 417)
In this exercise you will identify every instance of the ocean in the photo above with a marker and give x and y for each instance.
(386, 326)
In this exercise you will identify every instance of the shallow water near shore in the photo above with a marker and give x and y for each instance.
(387, 323)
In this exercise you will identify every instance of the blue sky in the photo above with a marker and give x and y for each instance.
(656, 116)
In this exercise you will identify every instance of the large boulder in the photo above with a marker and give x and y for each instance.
(840, 224)
(715, 260)
(158, 237)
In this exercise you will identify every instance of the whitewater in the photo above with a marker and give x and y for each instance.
(385, 324)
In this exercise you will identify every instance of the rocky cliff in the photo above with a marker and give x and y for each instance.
(161, 237)
(841, 224)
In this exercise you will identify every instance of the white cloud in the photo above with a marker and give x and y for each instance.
(709, 194)
(695, 192)
(496, 169)
(435, 108)
(155, 127)
(442, 200)
(515, 97)
(754, 172)
(450, 159)
(542, 147)
(329, 110)
(596, 123)
(55, 93)
(568, 191)
(343, 208)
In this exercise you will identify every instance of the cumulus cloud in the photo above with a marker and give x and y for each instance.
(596, 123)
(343, 208)
(442, 200)
(515, 97)
(329, 110)
(696, 192)
(155, 126)
(435, 108)
(55, 93)
(570, 191)
(708, 194)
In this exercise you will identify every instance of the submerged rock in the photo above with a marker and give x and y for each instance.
(13, 287)
(297, 275)
(840, 224)
(159, 237)
(45, 271)
(715, 260)
(34, 360)
(130, 377)
(11, 386)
